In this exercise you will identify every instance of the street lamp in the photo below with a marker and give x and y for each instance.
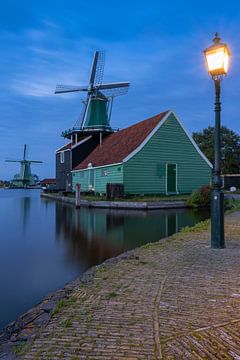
(217, 59)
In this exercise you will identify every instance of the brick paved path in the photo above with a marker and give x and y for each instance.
(177, 299)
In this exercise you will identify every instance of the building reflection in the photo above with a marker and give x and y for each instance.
(93, 235)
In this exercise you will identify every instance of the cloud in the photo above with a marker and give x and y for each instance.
(160, 68)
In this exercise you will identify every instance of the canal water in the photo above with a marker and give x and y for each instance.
(45, 244)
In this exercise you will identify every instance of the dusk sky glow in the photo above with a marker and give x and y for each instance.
(157, 46)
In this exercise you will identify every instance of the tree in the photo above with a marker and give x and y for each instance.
(230, 143)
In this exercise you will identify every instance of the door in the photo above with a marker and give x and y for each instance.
(171, 178)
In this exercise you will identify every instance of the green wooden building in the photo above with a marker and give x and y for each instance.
(154, 156)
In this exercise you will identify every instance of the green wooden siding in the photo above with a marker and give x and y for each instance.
(102, 176)
(145, 172)
(107, 174)
(81, 177)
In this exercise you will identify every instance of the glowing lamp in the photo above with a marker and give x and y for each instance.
(217, 57)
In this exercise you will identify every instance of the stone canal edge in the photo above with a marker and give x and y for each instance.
(141, 205)
(175, 299)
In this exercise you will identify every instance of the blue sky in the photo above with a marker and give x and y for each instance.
(155, 45)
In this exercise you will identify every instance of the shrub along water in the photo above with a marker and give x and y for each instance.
(200, 197)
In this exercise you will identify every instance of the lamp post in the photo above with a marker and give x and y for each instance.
(217, 59)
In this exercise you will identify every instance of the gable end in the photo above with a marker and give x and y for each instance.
(170, 112)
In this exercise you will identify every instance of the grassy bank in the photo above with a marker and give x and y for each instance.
(231, 206)
(137, 198)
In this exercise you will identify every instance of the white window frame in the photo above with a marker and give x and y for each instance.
(104, 172)
(62, 157)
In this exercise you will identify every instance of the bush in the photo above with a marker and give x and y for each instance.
(200, 197)
(231, 205)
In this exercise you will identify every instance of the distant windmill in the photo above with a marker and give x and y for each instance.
(25, 178)
(96, 113)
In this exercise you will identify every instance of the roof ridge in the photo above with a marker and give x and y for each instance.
(118, 145)
(148, 119)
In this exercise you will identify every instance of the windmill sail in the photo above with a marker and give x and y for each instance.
(61, 89)
(96, 111)
(115, 85)
(24, 152)
(84, 111)
(94, 68)
(100, 68)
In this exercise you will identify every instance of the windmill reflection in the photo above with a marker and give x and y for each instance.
(25, 204)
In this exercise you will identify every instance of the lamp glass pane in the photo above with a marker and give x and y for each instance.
(226, 61)
(216, 59)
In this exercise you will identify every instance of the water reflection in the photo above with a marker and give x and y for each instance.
(45, 244)
(93, 235)
(25, 208)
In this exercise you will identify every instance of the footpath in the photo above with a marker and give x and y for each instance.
(175, 299)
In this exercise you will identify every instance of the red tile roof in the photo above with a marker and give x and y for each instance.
(117, 146)
(48, 181)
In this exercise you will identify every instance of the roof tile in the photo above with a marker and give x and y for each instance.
(117, 146)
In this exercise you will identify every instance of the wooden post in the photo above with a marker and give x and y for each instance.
(78, 195)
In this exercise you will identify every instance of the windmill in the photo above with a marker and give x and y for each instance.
(25, 178)
(97, 107)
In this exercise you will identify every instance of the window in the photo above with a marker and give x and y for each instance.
(104, 172)
(81, 175)
(62, 157)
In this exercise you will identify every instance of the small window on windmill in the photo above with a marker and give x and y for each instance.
(62, 157)
(104, 172)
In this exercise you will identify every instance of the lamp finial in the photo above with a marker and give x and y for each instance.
(217, 39)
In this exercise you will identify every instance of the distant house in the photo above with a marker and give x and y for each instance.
(154, 156)
(48, 183)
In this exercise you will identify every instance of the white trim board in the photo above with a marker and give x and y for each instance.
(81, 142)
(98, 167)
(85, 115)
(74, 146)
(134, 152)
(193, 142)
(59, 150)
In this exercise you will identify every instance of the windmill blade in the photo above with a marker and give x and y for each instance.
(113, 85)
(113, 91)
(84, 111)
(24, 151)
(109, 93)
(93, 68)
(99, 68)
(35, 161)
(18, 161)
(61, 89)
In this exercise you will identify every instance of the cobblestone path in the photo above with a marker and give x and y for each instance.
(176, 299)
